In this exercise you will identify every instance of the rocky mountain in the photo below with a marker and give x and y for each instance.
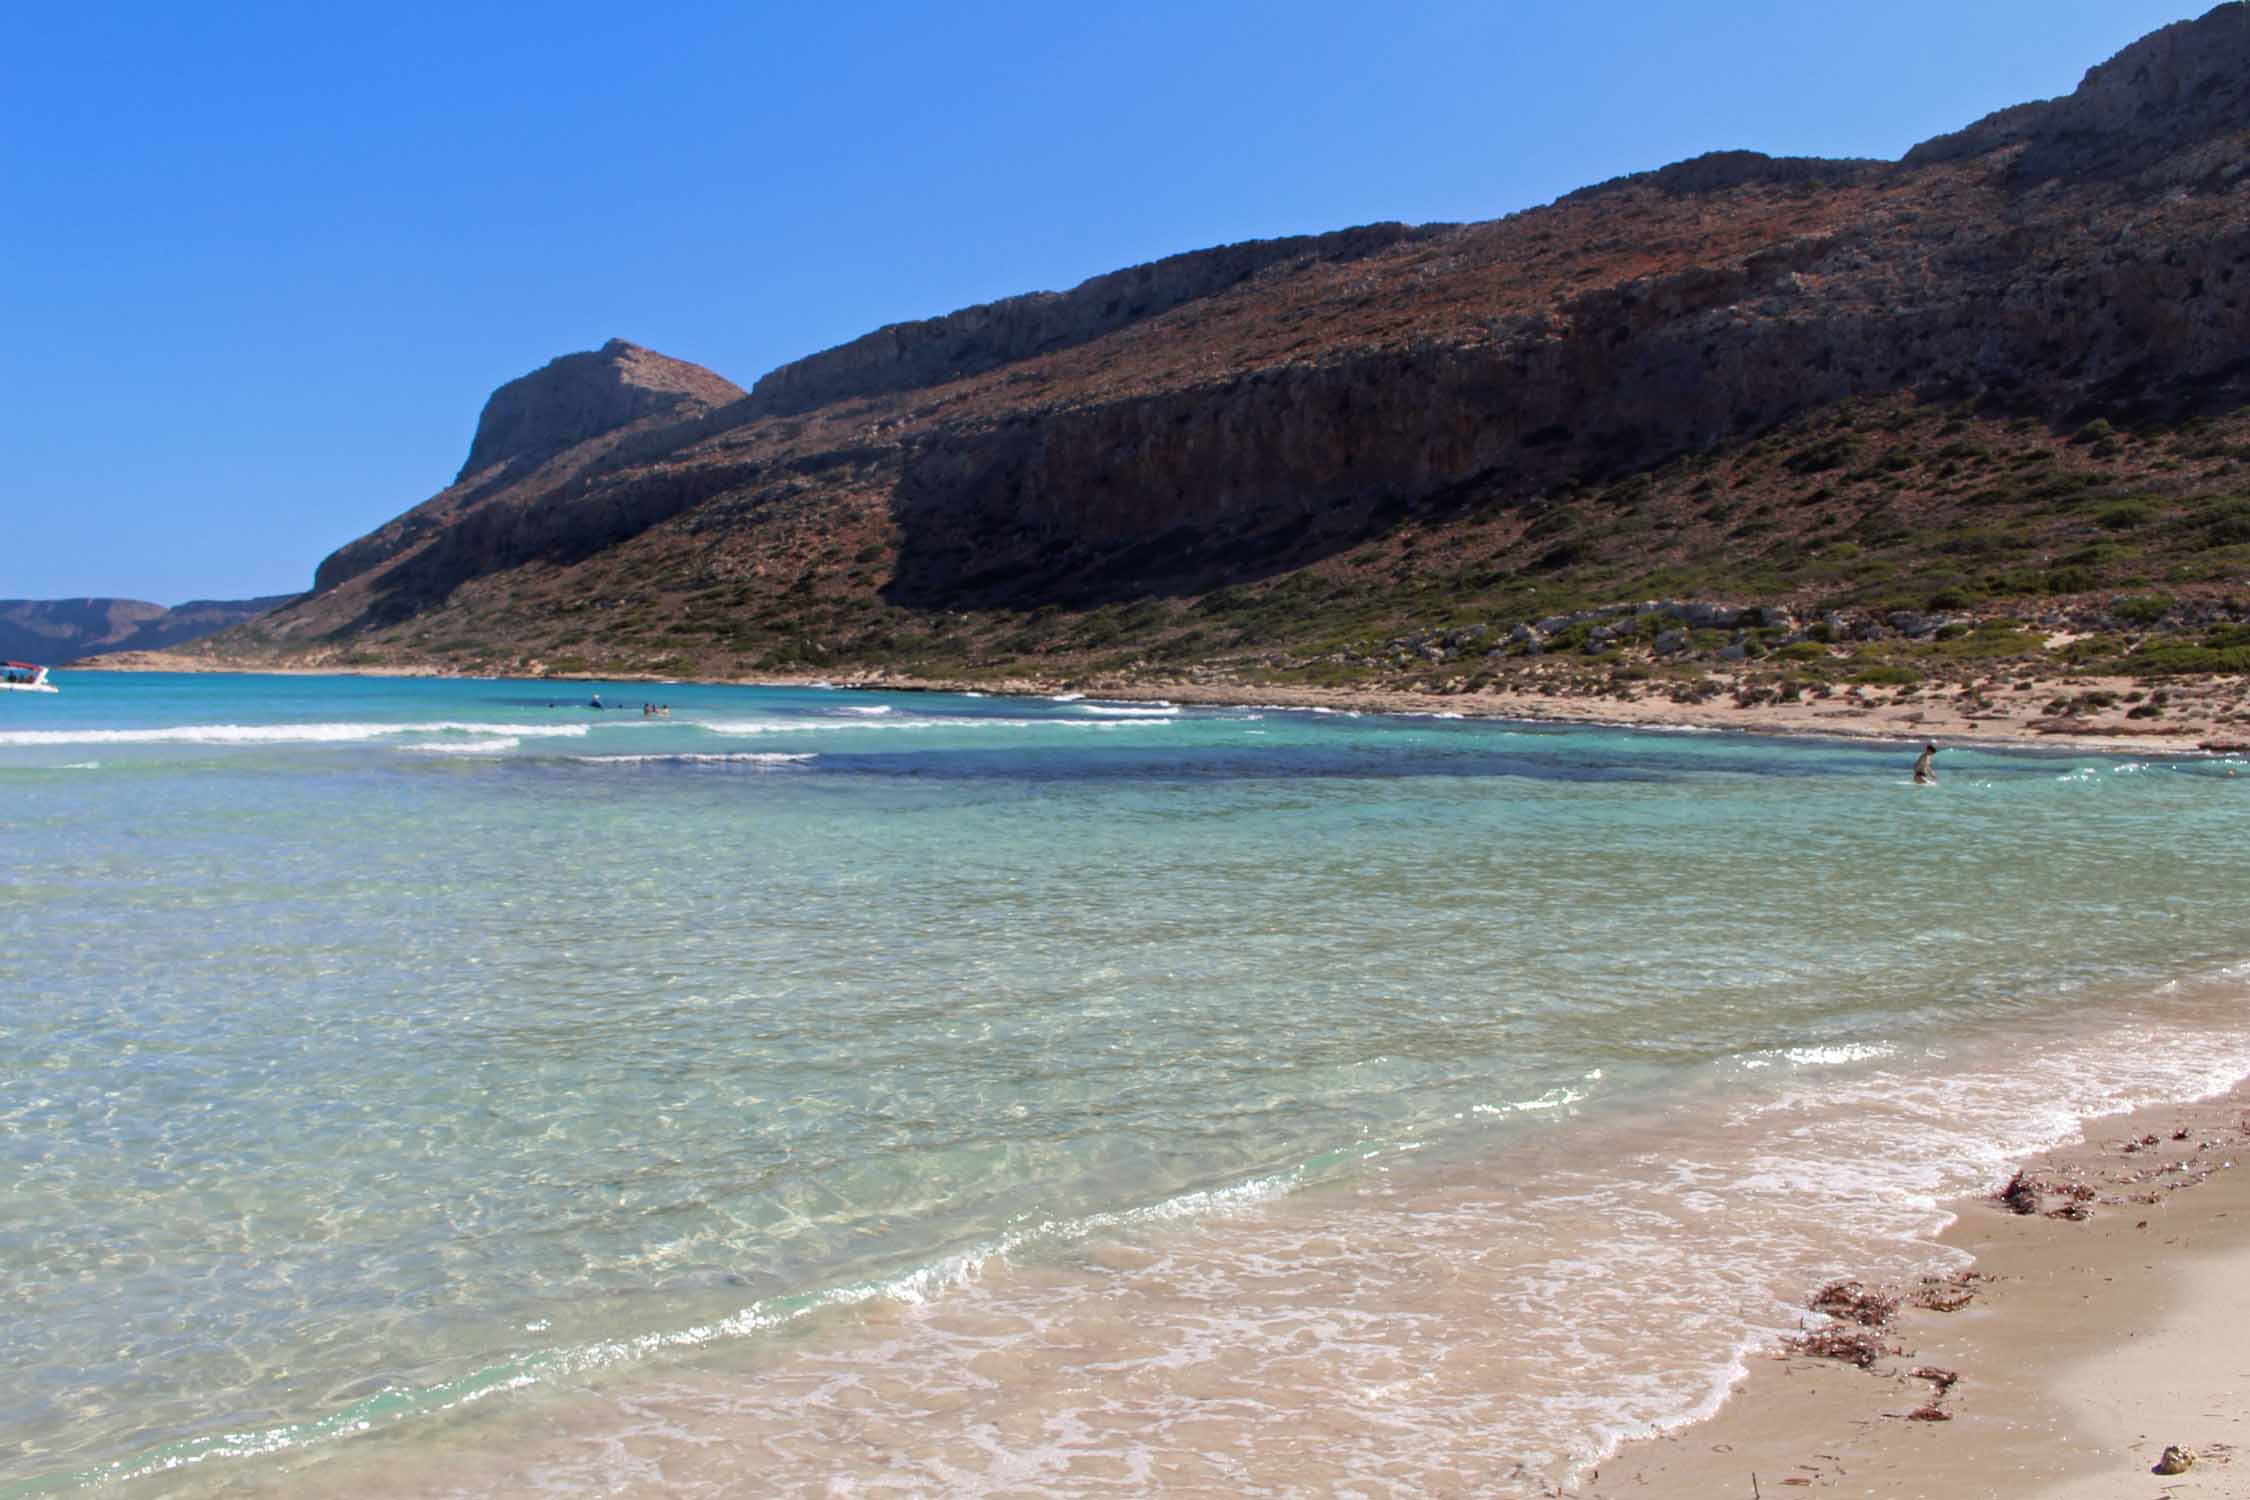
(55, 631)
(1715, 376)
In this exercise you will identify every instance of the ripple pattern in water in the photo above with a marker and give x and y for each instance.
(373, 1046)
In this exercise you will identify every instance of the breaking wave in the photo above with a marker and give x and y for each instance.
(707, 758)
(271, 734)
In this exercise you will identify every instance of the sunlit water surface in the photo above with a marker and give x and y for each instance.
(448, 1088)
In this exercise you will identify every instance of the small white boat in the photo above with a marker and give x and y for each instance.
(24, 677)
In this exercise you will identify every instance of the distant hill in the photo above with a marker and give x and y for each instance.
(52, 632)
(2006, 377)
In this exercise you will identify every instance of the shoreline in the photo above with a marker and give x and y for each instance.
(2087, 1345)
(2090, 1334)
(2006, 715)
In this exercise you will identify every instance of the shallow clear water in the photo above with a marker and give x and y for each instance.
(1095, 1096)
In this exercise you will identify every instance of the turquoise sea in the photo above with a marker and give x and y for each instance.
(434, 1087)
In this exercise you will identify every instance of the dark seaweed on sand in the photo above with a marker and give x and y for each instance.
(1853, 1302)
(1859, 1311)
(1948, 1293)
(2021, 1195)
(1854, 1346)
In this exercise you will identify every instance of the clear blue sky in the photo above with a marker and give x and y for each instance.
(260, 264)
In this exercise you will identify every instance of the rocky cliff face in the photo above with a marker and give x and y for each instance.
(1611, 381)
(56, 631)
(2171, 90)
(1240, 412)
(581, 396)
(909, 356)
(542, 431)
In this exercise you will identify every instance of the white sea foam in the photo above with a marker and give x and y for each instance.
(1066, 698)
(1420, 1313)
(272, 734)
(1131, 710)
(465, 747)
(1807, 1057)
(703, 758)
(1427, 1313)
(837, 726)
(1559, 1098)
(871, 710)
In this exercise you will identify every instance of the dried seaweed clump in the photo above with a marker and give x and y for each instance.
(1944, 1380)
(1930, 1410)
(1852, 1345)
(1948, 1293)
(2026, 1194)
(2021, 1195)
(1853, 1302)
(1852, 1338)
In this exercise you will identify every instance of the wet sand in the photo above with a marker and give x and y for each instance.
(2085, 1348)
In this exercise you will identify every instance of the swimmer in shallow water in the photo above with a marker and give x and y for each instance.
(1923, 774)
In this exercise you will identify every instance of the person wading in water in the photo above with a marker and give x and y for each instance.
(1923, 775)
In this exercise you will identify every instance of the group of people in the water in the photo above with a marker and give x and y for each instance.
(648, 710)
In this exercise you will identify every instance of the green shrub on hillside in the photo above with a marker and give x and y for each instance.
(2170, 657)
(1823, 454)
(2126, 516)
(2144, 610)
(2229, 524)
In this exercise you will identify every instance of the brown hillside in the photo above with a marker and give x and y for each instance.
(2004, 376)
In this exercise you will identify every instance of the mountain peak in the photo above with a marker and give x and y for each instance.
(579, 396)
(2173, 87)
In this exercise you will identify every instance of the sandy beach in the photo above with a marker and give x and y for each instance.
(2096, 1331)
(2201, 716)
